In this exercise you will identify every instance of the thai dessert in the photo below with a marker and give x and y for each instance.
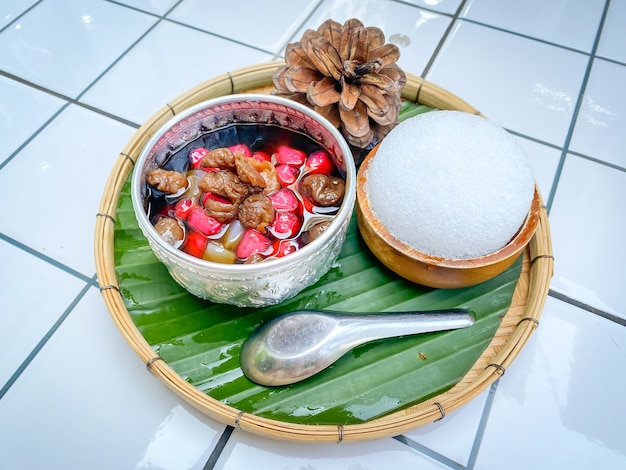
(260, 195)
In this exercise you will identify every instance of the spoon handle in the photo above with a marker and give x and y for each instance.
(363, 327)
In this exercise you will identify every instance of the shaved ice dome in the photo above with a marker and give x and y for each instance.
(450, 184)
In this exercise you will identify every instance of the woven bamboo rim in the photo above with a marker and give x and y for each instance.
(516, 327)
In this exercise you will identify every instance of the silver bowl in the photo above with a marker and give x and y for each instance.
(271, 281)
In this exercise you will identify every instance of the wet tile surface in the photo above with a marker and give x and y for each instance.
(415, 31)
(69, 161)
(127, 425)
(602, 115)
(80, 40)
(543, 400)
(534, 98)
(130, 91)
(265, 25)
(25, 110)
(588, 236)
(569, 23)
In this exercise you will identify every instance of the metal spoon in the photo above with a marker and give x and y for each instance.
(297, 345)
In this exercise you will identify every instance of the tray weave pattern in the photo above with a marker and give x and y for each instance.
(520, 321)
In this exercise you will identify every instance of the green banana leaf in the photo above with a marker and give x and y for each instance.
(201, 340)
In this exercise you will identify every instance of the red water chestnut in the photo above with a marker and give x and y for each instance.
(287, 175)
(203, 223)
(262, 156)
(252, 242)
(285, 225)
(284, 247)
(195, 157)
(215, 197)
(290, 156)
(242, 148)
(183, 208)
(320, 162)
(195, 244)
(284, 200)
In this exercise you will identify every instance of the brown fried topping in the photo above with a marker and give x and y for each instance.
(166, 180)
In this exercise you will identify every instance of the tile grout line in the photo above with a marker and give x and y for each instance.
(76, 101)
(128, 49)
(482, 425)
(47, 259)
(443, 39)
(572, 152)
(61, 96)
(494, 387)
(68, 101)
(598, 161)
(591, 55)
(138, 9)
(583, 306)
(456, 17)
(426, 451)
(31, 137)
(219, 448)
(291, 38)
(525, 36)
(612, 61)
(42, 342)
(577, 108)
(225, 38)
(423, 7)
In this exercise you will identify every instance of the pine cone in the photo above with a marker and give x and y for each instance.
(349, 75)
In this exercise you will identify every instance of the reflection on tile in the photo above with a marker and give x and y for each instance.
(66, 167)
(267, 25)
(26, 317)
(82, 38)
(588, 233)
(178, 57)
(513, 80)
(11, 9)
(87, 401)
(23, 111)
(561, 403)
(454, 435)
(544, 161)
(243, 448)
(415, 31)
(182, 440)
(158, 7)
(571, 23)
(612, 41)
(443, 6)
(599, 131)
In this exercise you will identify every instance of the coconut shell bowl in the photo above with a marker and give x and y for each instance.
(429, 270)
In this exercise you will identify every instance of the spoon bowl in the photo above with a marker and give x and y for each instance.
(298, 345)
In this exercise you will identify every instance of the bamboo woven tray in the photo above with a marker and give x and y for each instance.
(515, 328)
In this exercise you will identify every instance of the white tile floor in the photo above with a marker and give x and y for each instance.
(77, 77)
